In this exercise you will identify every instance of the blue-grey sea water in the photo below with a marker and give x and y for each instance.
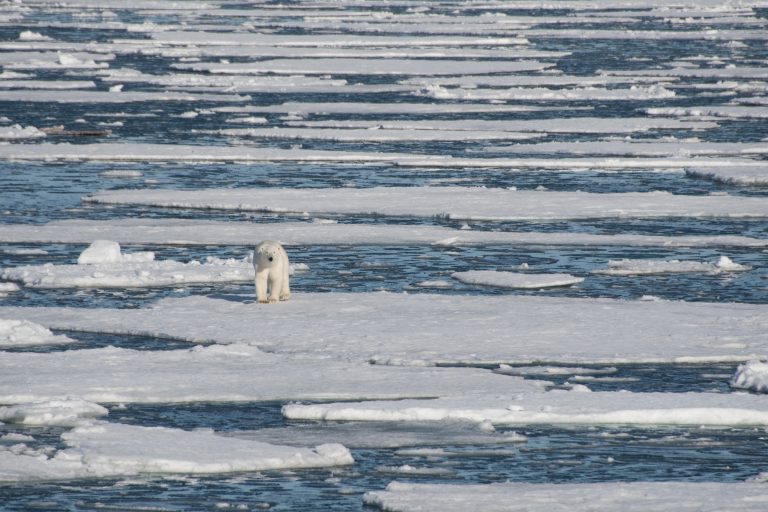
(40, 192)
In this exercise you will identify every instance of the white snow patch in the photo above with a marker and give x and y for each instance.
(66, 412)
(107, 251)
(16, 333)
(631, 267)
(515, 279)
(752, 376)
(18, 132)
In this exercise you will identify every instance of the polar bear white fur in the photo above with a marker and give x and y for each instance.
(271, 263)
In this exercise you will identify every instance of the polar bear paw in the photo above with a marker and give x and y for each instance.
(285, 296)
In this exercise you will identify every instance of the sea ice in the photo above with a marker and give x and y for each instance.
(17, 333)
(733, 176)
(206, 232)
(18, 132)
(422, 329)
(515, 279)
(464, 203)
(102, 450)
(633, 267)
(584, 497)
(235, 373)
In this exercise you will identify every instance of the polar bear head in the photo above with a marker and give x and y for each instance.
(268, 254)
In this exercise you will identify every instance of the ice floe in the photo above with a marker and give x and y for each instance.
(642, 147)
(20, 333)
(724, 111)
(480, 329)
(235, 373)
(342, 66)
(636, 92)
(582, 497)
(65, 412)
(85, 96)
(304, 108)
(206, 232)
(553, 408)
(515, 279)
(633, 267)
(102, 450)
(464, 203)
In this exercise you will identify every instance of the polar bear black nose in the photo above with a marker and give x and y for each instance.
(271, 258)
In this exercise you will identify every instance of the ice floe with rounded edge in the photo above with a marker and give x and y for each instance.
(582, 497)
(515, 279)
(233, 373)
(553, 330)
(204, 232)
(752, 376)
(103, 450)
(65, 412)
(463, 203)
(22, 333)
(635, 267)
(546, 371)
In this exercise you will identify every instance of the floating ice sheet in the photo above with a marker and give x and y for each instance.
(724, 111)
(514, 497)
(515, 279)
(235, 373)
(643, 147)
(637, 93)
(555, 408)
(377, 134)
(103, 450)
(428, 329)
(633, 267)
(65, 412)
(449, 202)
(205, 232)
(113, 97)
(366, 67)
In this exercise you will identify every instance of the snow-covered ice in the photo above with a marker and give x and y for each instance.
(103, 449)
(632, 267)
(206, 232)
(582, 497)
(18, 132)
(21, 333)
(515, 279)
(429, 329)
(449, 202)
(234, 373)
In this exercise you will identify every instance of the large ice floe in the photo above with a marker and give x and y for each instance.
(583, 497)
(206, 232)
(449, 202)
(100, 449)
(234, 373)
(104, 265)
(428, 329)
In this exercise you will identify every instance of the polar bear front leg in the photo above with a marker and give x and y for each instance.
(261, 282)
(275, 285)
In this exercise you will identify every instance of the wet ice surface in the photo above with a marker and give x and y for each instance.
(39, 192)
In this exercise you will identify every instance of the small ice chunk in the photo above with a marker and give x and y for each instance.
(101, 251)
(67, 412)
(14, 333)
(515, 280)
(118, 173)
(752, 375)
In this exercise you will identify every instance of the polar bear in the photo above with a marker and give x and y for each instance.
(271, 263)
